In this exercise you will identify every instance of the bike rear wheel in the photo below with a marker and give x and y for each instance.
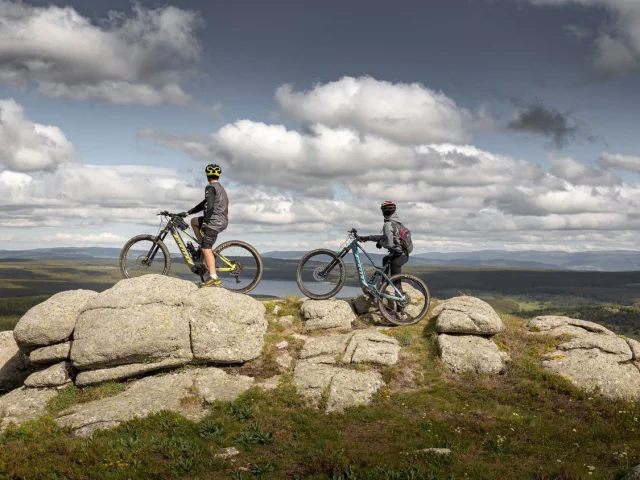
(135, 258)
(415, 306)
(321, 274)
(246, 267)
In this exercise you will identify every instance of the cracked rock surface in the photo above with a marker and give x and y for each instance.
(153, 394)
(592, 357)
(317, 372)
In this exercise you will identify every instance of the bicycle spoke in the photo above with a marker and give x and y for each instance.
(136, 262)
(320, 275)
(414, 305)
(238, 267)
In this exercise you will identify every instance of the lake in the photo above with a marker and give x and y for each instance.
(283, 288)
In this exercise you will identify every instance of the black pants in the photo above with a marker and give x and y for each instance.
(396, 261)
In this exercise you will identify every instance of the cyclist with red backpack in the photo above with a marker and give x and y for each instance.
(396, 238)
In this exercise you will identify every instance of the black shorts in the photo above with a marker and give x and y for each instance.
(209, 235)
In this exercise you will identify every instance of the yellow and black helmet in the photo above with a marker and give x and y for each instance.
(213, 170)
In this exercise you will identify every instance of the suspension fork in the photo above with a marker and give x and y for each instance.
(334, 262)
(151, 254)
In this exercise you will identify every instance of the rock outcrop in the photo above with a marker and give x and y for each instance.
(318, 372)
(465, 325)
(139, 325)
(470, 353)
(51, 321)
(592, 357)
(327, 314)
(185, 392)
(23, 404)
(14, 364)
(466, 315)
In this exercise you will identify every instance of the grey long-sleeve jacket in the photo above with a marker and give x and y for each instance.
(215, 206)
(390, 235)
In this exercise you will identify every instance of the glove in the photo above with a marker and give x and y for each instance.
(379, 244)
(184, 214)
(363, 239)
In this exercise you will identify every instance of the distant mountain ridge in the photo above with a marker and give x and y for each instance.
(605, 261)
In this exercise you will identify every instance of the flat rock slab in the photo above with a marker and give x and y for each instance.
(153, 394)
(331, 345)
(466, 315)
(115, 336)
(327, 314)
(14, 365)
(24, 404)
(595, 371)
(616, 346)
(226, 327)
(54, 376)
(361, 346)
(371, 346)
(122, 372)
(470, 353)
(350, 388)
(557, 325)
(51, 321)
(52, 354)
(144, 290)
(344, 387)
(215, 385)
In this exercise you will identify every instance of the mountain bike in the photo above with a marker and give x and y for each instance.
(238, 264)
(402, 299)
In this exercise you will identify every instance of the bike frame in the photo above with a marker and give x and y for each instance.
(355, 247)
(175, 233)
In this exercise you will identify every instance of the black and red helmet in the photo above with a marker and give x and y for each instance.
(388, 208)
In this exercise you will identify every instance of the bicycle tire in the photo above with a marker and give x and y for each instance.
(305, 259)
(256, 256)
(139, 238)
(392, 317)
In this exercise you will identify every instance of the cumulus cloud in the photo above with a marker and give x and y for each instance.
(139, 59)
(539, 119)
(617, 160)
(401, 112)
(26, 146)
(617, 48)
(316, 184)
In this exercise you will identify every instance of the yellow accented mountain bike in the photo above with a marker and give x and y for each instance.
(238, 264)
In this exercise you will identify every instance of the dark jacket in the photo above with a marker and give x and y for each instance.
(390, 238)
(215, 206)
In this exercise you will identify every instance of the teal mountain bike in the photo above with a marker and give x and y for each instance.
(402, 299)
(238, 264)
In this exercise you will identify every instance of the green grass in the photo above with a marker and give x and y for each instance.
(72, 395)
(8, 322)
(526, 423)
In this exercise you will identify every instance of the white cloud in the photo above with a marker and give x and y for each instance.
(617, 49)
(617, 160)
(141, 59)
(26, 146)
(401, 112)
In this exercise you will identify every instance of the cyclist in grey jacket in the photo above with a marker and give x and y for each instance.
(215, 219)
(390, 239)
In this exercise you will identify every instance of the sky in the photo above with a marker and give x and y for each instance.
(493, 124)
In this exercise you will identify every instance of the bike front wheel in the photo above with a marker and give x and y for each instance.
(321, 274)
(414, 305)
(238, 265)
(144, 255)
